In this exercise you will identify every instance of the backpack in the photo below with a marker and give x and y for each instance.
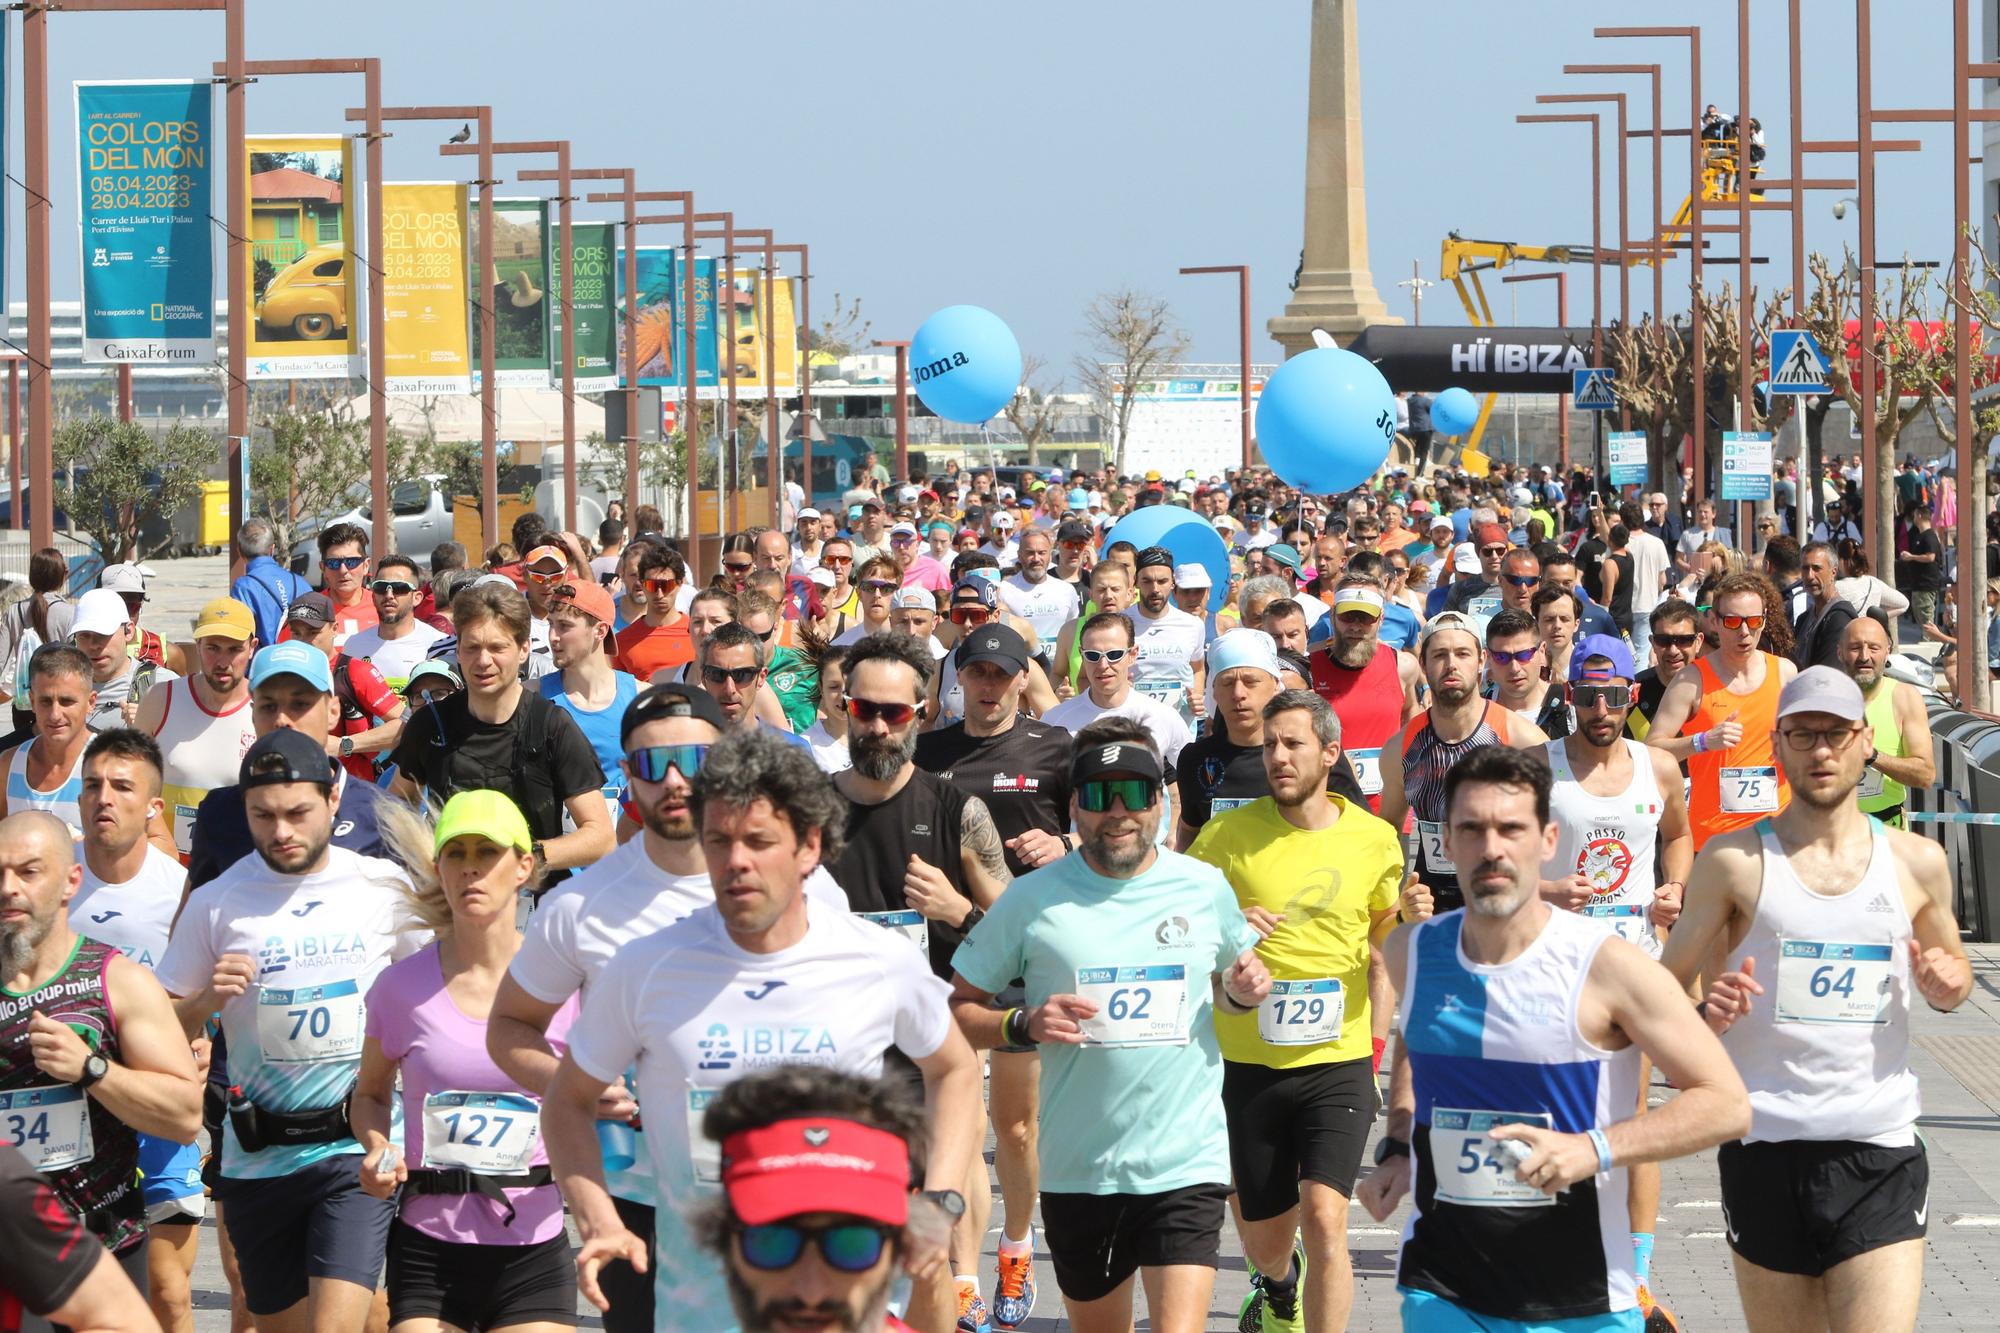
(528, 778)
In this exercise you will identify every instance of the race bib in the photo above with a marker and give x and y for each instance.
(1224, 804)
(1436, 858)
(1469, 1169)
(1302, 1013)
(1630, 920)
(703, 1152)
(1481, 610)
(310, 1025)
(1825, 982)
(1871, 784)
(50, 1126)
(487, 1133)
(1367, 770)
(910, 925)
(1136, 1006)
(1749, 791)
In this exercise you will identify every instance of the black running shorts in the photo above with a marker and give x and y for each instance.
(480, 1286)
(315, 1222)
(1805, 1206)
(1288, 1125)
(1099, 1240)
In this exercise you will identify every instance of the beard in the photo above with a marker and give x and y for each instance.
(677, 827)
(755, 1318)
(1307, 789)
(19, 943)
(1494, 902)
(1453, 694)
(1354, 653)
(881, 757)
(1867, 677)
(1118, 863)
(296, 863)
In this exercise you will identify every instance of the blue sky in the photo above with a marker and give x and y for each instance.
(1025, 156)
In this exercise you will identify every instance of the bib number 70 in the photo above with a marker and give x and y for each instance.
(314, 1022)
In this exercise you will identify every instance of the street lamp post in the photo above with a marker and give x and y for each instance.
(803, 250)
(902, 346)
(726, 231)
(1242, 272)
(1561, 280)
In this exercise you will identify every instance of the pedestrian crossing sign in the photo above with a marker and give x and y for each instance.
(1797, 364)
(1591, 389)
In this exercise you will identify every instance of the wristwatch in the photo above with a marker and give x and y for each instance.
(972, 918)
(950, 1201)
(1386, 1147)
(94, 1070)
(536, 850)
(346, 747)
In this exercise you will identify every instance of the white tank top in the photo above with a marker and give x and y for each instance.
(1611, 841)
(200, 751)
(1825, 1051)
(133, 917)
(951, 694)
(62, 801)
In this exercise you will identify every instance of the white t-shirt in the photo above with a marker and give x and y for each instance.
(828, 751)
(395, 658)
(1169, 732)
(1650, 565)
(1170, 647)
(135, 916)
(1008, 552)
(1048, 605)
(693, 1012)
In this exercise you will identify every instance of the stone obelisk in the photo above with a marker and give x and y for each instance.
(1335, 290)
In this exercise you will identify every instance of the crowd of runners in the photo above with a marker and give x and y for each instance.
(413, 925)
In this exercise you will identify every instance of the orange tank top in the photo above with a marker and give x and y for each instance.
(1735, 787)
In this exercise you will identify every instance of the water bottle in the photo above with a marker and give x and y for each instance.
(618, 1143)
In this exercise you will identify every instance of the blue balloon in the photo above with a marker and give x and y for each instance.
(1325, 421)
(1192, 539)
(1453, 412)
(965, 363)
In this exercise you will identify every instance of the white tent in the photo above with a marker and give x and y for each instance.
(526, 415)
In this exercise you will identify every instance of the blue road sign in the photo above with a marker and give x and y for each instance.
(1797, 364)
(1591, 389)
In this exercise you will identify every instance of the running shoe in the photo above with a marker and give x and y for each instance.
(1659, 1319)
(1014, 1289)
(972, 1311)
(1259, 1313)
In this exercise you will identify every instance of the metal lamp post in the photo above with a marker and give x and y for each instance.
(1242, 272)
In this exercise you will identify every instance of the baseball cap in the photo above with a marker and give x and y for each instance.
(998, 644)
(1079, 498)
(593, 599)
(546, 551)
(907, 495)
(1223, 523)
(1073, 530)
(285, 755)
(1606, 646)
(670, 698)
(1822, 689)
(1464, 559)
(431, 666)
(226, 618)
(1285, 554)
(914, 598)
(1358, 598)
(1243, 648)
(1003, 520)
(315, 609)
(487, 814)
(969, 590)
(1449, 620)
(122, 578)
(817, 1164)
(822, 578)
(806, 513)
(292, 659)
(100, 611)
(1192, 575)
(903, 528)
(1440, 521)
(1152, 474)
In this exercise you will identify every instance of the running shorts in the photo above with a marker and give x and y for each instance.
(480, 1286)
(315, 1222)
(1286, 1125)
(1099, 1240)
(1806, 1205)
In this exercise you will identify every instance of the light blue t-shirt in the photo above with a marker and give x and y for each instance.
(601, 727)
(1133, 1119)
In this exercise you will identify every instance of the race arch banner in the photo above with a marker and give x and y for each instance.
(144, 195)
(305, 316)
(596, 340)
(426, 336)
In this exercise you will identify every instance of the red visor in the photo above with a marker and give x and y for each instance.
(817, 1166)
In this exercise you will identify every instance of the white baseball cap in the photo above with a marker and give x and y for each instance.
(806, 513)
(100, 611)
(1192, 575)
(1003, 519)
(122, 578)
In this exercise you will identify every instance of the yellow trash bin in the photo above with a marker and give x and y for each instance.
(214, 513)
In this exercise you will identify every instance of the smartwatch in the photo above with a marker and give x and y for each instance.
(94, 1070)
(950, 1201)
(346, 747)
(972, 918)
(1386, 1147)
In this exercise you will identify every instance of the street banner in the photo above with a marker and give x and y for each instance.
(1627, 457)
(661, 340)
(596, 341)
(1479, 360)
(745, 337)
(518, 286)
(426, 342)
(145, 194)
(1746, 465)
(6, 101)
(306, 317)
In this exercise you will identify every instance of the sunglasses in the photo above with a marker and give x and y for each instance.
(846, 1247)
(843, 561)
(1076, 546)
(1804, 740)
(879, 585)
(735, 568)
(903, 541)
(1135, 793)
(1490, 551)
(1611, 696)
(1677, 640)
(867, 710)
(970, 615)
(392, 587)
(1743, 622)
(663, 585)
(1112, 655)
(546, 578)
(649, 763)
(1523, 580)
(1514, 658)
(738, 676)
(345, 562)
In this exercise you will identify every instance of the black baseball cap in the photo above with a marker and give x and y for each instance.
(282, 756)
(1073, 531)
(998, 644)
(669, 699)
(1091, 762)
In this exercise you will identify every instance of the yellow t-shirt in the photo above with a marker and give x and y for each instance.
(1326, 884)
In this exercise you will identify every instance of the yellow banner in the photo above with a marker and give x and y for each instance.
(426, 340)
(745, 323)
(302, 264)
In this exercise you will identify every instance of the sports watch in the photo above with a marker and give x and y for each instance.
(94, 1069)
(1386, 1147)
(951, 1202)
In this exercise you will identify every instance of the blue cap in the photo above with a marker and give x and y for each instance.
(1079, 498)
(292, 659)
(1606, 646)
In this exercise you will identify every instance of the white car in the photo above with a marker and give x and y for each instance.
(419, 518)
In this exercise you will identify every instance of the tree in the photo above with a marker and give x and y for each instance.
(1034, 410)
(316, 462)
(842, 333)
(114, 478)
(1132, 340)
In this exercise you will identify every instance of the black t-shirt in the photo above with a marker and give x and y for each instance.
(924, 819)
(45, 1253)
(1651, 690)
(1022, 774)
(1926, 575)
(1590, 567)
(1215, 768)
(475, 754)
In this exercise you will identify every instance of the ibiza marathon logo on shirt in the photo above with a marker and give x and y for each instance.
(333, 948)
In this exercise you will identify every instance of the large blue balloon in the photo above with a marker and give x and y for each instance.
(1453, 412)
(1192, 539)
(1325, 420)
(965, 363)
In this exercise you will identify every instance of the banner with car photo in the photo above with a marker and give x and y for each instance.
(426, 335)
(301, 198)
(595, 344)
(744, 321)
(145, 195)
(518, 286)
(661, 340)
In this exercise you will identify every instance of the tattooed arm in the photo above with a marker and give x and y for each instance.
(982, 858)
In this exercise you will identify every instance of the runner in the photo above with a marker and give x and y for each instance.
(45, 772)
(398, 640)
(1170, 668)
(1110, 590)
(1623, 850)
(659, 639)
(1107, 653)
(1520, 1023)
(102, 631)
(732, 659)
(285, 944)
(1479, 595)
(1417, 763)
(1832, 925)
(1124, 946)
(51, 1268)
(1318, 878)
(478, 1239)
(585, 684)
(1675, 634)
(1372, 686)
(343, 573)
(1899, 726)
(1719, 713)
(1514, 665)
(203, 722)
(91, 1056)
(369, 710)
(1034, 594)
(761, 975)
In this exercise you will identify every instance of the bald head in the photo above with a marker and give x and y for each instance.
(1864, 651)
(38, 877)
(42, 831)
